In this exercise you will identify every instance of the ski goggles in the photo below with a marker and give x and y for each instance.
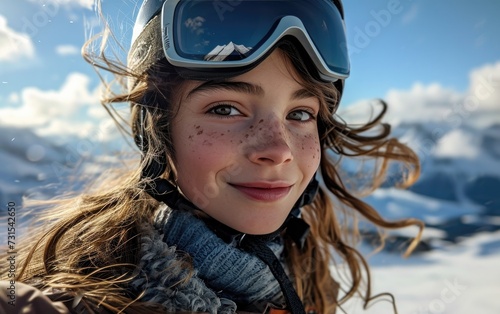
(205, 36)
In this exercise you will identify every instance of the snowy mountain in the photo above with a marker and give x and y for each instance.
(26, 161)
(458, 193)
(35, 166)
(231, 50)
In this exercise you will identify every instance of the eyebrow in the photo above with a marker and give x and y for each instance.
(302, 93)
(244, 87)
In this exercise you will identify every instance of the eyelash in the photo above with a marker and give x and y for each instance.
(212, 109)
(312, 117)
(222, 105)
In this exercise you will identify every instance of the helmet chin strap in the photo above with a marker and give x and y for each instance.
(294, 227)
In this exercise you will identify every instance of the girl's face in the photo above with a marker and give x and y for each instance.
(246, 148)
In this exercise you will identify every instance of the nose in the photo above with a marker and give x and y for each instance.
(269, 145)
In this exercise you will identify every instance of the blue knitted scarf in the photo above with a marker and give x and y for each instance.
(225, 278)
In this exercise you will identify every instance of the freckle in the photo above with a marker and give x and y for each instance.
(261, 120)
(200, 132)
(251, 127)
(241, 142)
(197, 126)
(260, 129)
(222, 134)
(228, 131)
(246, 135)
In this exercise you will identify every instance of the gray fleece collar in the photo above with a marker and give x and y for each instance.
(224, 277)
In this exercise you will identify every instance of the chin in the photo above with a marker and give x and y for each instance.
(259, 228)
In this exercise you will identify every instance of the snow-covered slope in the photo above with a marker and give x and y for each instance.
(31, 165)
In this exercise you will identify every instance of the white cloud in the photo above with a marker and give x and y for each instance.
(420, 103)
(14, 46)
(195, 25)
(428, 103)
(67, 50)
(485, 87)
(478, 106)
(71, 110)
(87, 4)
(97, 112)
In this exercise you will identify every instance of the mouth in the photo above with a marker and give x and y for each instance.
(263, 191)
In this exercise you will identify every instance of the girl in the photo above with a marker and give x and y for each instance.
(233, 109)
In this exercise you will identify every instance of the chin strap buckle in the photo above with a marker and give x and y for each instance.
(272, 309)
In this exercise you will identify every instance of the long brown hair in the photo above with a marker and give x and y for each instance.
(87, 244)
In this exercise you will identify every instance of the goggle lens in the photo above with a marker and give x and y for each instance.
(207, 30)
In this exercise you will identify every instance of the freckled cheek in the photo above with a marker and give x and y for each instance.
(202, 144)
(199, 157)
(308, 148)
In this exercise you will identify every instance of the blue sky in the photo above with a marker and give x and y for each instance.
(428, 41)
(396, 46)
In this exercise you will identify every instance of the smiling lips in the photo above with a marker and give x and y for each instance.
(267, 192)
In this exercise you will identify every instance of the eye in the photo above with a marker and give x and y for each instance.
(224, 110)
(301, 115)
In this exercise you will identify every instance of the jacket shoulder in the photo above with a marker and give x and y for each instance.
(17, 297)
